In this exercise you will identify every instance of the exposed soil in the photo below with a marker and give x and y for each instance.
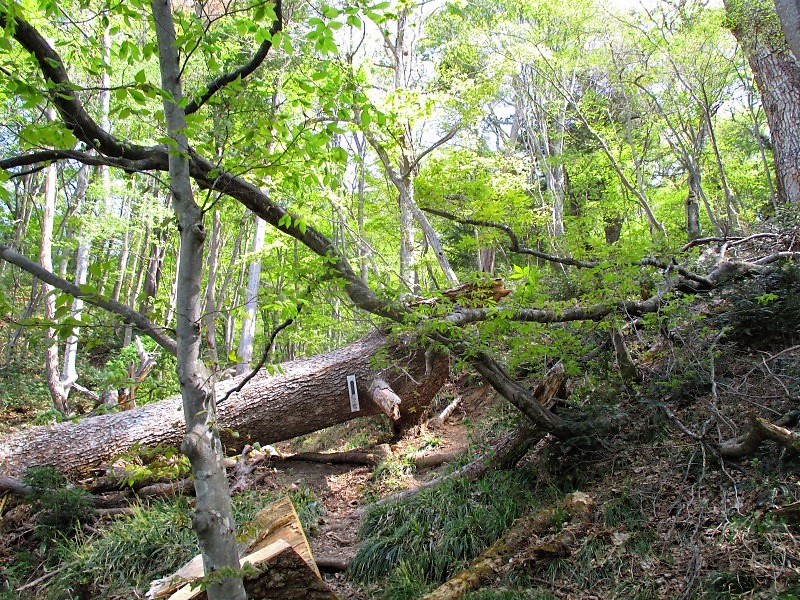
(344, 489)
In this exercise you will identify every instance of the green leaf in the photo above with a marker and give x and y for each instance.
(63, 300)
(365, 119)
(138, 96)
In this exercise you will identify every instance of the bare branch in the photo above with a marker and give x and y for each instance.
(463, 316)
(442, 140)
(156, 160)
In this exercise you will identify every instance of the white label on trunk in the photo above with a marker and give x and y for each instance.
(351, 388)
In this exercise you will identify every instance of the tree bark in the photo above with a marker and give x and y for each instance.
(777, 75)
(789, 15)
(69, 373)
(309, 394)
(210, 305)
(52, 376)
(213, 520)
(248, 334)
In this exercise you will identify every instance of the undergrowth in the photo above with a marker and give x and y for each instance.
(154, 541)
(414, 544)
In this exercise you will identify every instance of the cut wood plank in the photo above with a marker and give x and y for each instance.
(284, 575)
(277, 522)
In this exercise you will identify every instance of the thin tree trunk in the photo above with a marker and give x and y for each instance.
(46, 261)
(730, 199)
(363, 246)
(123, 257)
(69, 373)
(247, 337)
(213, 518)
(233, 267)
(135, 289)
(174, 290)
(408, 255)
(693, 206)
(210, 309)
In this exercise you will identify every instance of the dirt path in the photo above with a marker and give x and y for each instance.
(344, 489)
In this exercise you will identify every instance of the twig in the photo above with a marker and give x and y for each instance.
(46, 576)
(439, 420)
(264, 356)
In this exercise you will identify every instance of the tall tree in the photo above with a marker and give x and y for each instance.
(248, 333)
(399, 151)
(51, 366)
(777, 74)
(213, 518)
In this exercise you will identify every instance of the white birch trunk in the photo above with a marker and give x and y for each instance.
(247, 336)
(46, 260)
(69, 373)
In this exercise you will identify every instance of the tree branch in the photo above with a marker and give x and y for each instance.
(244, 70)
(155, 160)
(705, 283)
(128, 315)
(443, 140)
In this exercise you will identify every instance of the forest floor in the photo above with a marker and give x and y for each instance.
(345, 490)
(669, 517)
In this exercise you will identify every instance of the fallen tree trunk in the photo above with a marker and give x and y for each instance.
(347, 457)
(520, 536)
(306, 396)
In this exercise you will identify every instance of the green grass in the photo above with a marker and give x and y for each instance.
(153, 542)
(309, 508)
(415, 544)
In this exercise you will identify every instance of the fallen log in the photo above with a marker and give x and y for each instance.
(305, 396)
(504, 454)
(520, 537)
(760, 431)
(347, 457)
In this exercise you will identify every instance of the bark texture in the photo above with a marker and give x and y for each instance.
(213, 520)
(307, 395)
(777, 74)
